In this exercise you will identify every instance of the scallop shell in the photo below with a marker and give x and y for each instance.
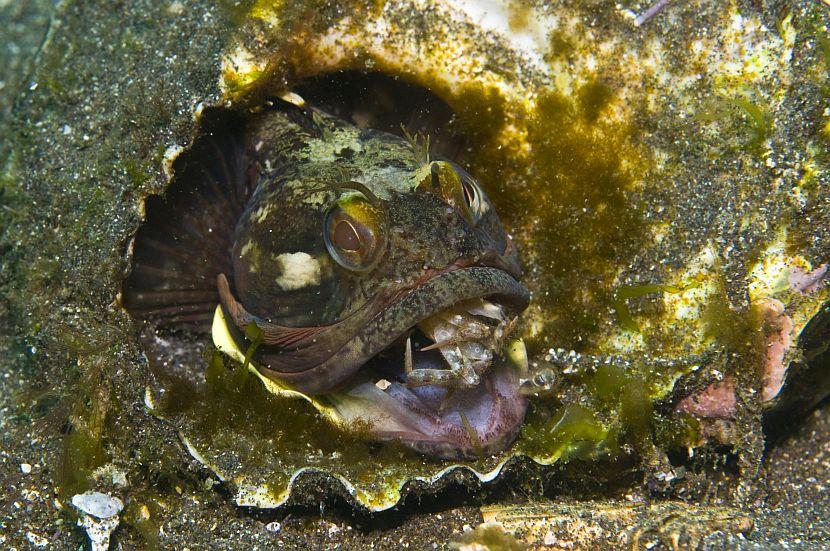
(644, 252)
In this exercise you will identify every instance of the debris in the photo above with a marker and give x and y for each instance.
(273, 527)
(97, 504)
(99, 531)
(651, 12)
(101, 517)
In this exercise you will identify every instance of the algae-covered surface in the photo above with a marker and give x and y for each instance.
(666, 181)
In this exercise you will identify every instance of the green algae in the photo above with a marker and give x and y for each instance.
(235, 401)
(309, 15)
(637, 412)
(625, 292)
(592, 98)
(615, 408)
(824, 48)
(81, 453)
(561, 45)
(571, 207)
(240, 84)
(481, 112)
(519, 14)
(574, 432)
(82, 449)
(739, 331)
(679, 431)
(625, 397)
(142, 514)
(759, 119)
(255, 336)
(238, 10)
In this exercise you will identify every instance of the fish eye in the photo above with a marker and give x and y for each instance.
(353, 233)
(345, 236)
(458, 188)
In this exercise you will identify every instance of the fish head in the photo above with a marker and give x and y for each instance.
(369, 270)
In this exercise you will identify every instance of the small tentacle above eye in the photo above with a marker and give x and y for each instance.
(455, 186)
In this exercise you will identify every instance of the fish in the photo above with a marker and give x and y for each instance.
(348, 266)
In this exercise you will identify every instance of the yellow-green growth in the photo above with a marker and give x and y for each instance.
(606, 383)
(637, 413)
(677, 431)
(593, 97)
(566, 198)
(625, 292)
(254, 334)
(492, 538)
(240, 83)
(573, 432)
(723, 107)
(737, 331)
(824, 46)
(759, 119)
(82, 449)
(141, 514)
(824, 49)
(624, 396)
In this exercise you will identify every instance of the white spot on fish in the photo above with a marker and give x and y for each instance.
(298, 270)
(262, 213)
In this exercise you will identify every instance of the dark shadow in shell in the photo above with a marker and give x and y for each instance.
(186, 239)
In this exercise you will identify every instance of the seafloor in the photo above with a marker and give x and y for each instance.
(92, 95)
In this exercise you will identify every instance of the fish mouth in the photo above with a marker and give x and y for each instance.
(448, 388)
(436, 370)
(445, 379)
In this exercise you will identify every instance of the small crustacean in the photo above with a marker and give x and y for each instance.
(466, 335)
(348, 268)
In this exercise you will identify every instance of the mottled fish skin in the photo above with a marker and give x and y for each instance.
(284, 276)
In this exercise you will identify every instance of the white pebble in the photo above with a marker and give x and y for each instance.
(36, 539)
(25, 468)
(273, 527)
(97, 504)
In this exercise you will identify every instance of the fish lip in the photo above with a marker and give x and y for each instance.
(490, 259)
(448, 435)
(496, 402)
(404, 310)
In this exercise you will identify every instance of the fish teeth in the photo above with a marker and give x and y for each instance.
(487, 309)
(407, 356)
